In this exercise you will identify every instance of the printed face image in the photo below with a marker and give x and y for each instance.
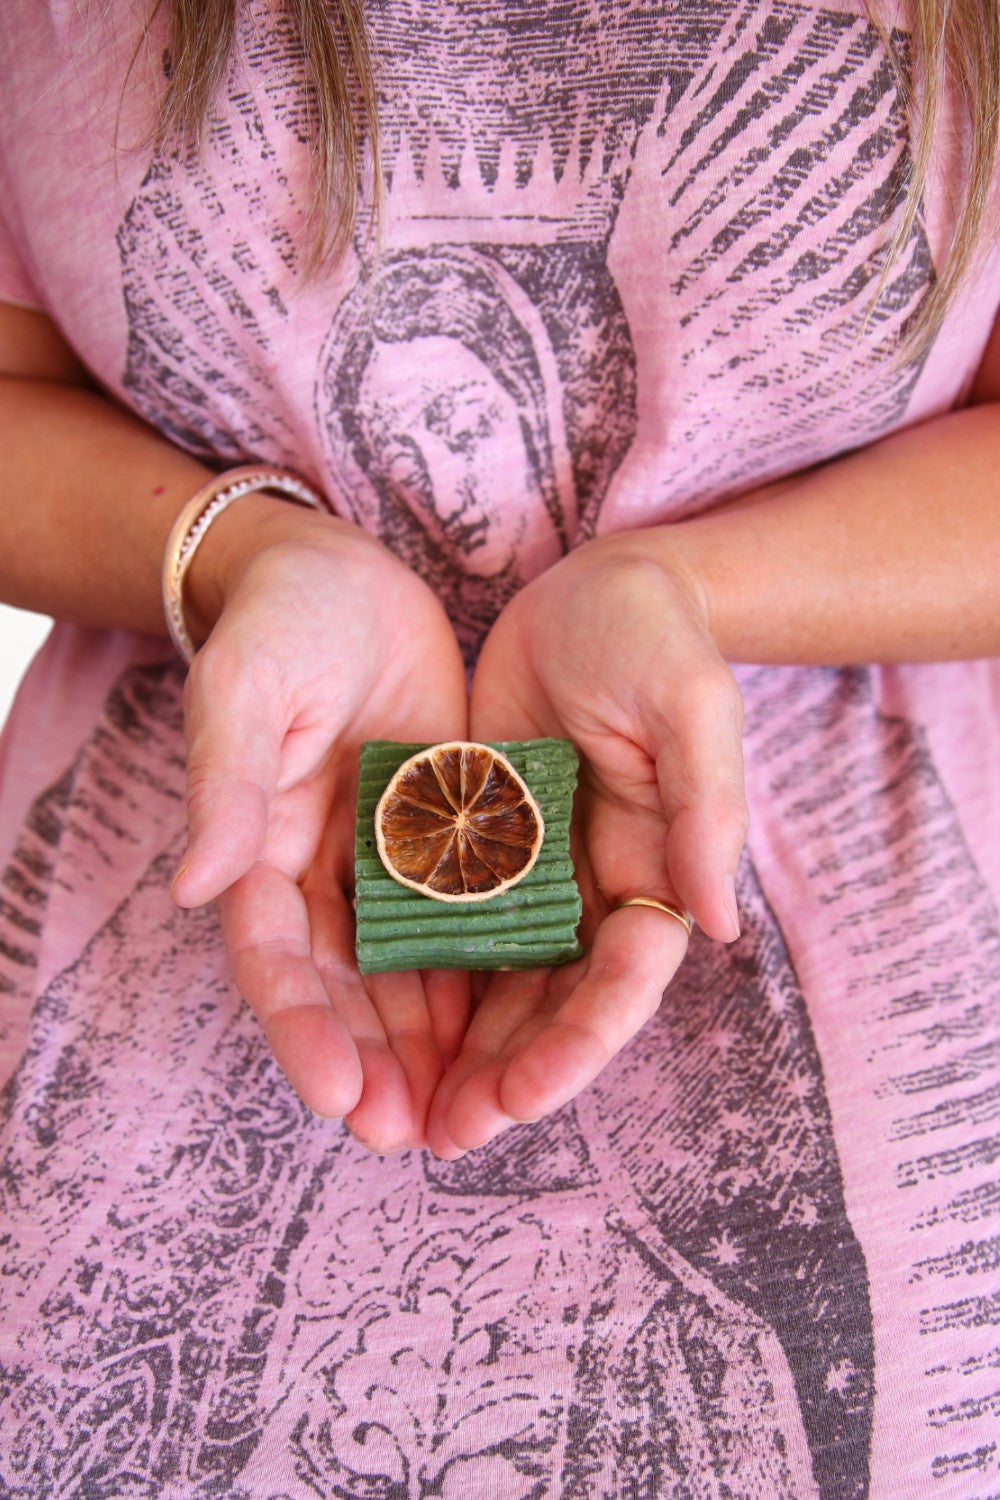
(447, 438)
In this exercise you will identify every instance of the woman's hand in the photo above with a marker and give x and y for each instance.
(612, 651)
(324, 640)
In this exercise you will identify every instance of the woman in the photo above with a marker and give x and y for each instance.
(750, 1226)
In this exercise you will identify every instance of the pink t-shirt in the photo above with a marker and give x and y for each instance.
(624, 268)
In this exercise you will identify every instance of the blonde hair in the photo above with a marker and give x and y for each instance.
(338, 67)
(955, 44)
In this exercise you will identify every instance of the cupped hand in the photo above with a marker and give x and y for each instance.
(325, 640)
(612, 650)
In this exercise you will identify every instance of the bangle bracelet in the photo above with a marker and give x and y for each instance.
(202, 509)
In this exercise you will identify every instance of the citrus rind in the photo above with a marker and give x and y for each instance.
(458, 823)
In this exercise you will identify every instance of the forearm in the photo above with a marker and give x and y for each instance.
(889, 554)
(91, 495)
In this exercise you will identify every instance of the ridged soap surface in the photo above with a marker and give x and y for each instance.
(532, 924)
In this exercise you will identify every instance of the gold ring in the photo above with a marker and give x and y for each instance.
(679, 915)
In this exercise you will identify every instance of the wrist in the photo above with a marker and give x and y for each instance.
(241, 533)
(664, 555)
(263, 539)
(195, 523)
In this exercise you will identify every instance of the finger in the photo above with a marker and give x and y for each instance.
(635, 954)
(699, 768)
(467, 1110)
(400, 1001)
(383, 1117)
(703, 850)
(233, 756)
(266, 927)
(449, 1003)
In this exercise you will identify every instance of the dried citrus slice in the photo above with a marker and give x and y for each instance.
(458, 823)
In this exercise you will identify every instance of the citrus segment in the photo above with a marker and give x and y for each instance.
(458, 823)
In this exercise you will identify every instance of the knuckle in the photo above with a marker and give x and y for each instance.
(735, 817)
(211, 669)
(202, 789)
(712, 693)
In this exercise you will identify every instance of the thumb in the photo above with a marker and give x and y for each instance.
(700, 775)
(234, 737)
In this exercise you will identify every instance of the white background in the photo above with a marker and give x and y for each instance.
(21, 634)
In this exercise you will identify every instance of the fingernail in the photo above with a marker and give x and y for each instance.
(180, 871)
(449, 1153)
(729, 900)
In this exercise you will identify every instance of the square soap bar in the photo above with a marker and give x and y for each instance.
(532, 924)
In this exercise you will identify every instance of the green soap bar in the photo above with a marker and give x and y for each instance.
(531, 924)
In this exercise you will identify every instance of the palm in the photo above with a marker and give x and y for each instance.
(550, 668)
(273, 828)
(538, 1037)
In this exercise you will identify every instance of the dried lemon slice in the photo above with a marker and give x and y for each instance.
(458, 823)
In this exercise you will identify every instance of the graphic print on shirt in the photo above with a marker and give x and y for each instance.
(443, 403)
(585, 1304)
(898, 947)
(626, 265)
(205, 1285)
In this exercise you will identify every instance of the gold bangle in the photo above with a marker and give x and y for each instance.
(202, 509)
(679, 915)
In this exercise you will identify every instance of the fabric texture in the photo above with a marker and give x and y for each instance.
(624, 271)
